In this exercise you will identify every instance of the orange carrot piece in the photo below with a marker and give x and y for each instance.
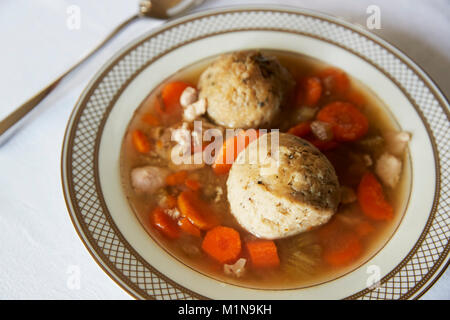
(231, 149)
(140, 141)
(222, 244)
(324, 145)
(150, 119)
(335, 81)
(192, 184)
(224, 159)
(199, 213)
(348, 123)
(301, 130)
(309, 91)
(188, 227)
(313, 91)
(344, 249)
(171, 94)
(263, 253)
(165, 224)
(176, 178)
(371, 199)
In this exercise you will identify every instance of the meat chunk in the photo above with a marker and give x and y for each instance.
(148, 179)
(396, 142)
(192, 107)
(367, 160)
(194, 110)
(237, 269)
(188, 96)
(388, 168)
(299, 190)
(182, 135)
(322, 130)
(181, 157)
(245, 89)
(173, 213)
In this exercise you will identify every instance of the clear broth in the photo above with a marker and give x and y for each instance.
(380, 120)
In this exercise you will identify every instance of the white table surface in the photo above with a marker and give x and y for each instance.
(40, 249)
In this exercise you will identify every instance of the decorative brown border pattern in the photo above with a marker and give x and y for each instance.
(90, 214)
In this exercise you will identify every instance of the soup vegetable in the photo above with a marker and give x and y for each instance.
(321, 204)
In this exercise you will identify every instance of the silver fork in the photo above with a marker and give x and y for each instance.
(160, 9)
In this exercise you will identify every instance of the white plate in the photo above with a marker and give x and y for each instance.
(411, 260)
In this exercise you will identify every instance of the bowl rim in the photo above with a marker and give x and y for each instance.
(286, 9)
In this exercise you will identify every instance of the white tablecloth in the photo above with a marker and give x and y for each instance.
(40, 249)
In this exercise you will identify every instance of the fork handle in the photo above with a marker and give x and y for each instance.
(15, 118)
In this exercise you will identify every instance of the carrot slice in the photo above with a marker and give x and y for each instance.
(263, 253)
(192, 184)
(171, 94)
(335, 81)
(164, 223)
(348, 123)
(301, 130)
(150, 119)
(222, 244)
(371, 199)
(226, 156)
(140, 141)
(309, 91)
(231, 149)
(188, 227)
(176, 178)
(313, 91)
(324, 145)
(344, 249)
(196, 210)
